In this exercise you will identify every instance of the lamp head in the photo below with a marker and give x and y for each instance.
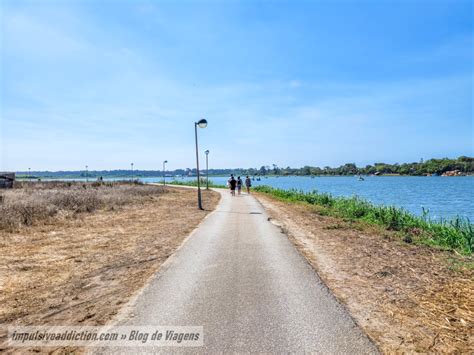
(166, 161)
(206, 152)
(202, 123)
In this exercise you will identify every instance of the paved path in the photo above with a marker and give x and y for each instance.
(241, 279)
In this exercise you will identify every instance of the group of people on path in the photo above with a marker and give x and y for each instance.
(234, 183)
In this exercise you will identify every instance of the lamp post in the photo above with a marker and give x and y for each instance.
(164, 177)
(87, 178)
(207, 169)
(132, 170)
(29, 174)
(202, 123)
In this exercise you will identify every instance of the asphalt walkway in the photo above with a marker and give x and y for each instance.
(240, 278)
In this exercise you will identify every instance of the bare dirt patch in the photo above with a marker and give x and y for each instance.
(407, 298)
(80, 270)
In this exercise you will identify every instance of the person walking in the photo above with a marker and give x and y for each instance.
(248, 184)
(232, 184)
(228, 181)
(239, 185)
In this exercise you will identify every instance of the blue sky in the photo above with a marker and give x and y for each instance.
(106, 83)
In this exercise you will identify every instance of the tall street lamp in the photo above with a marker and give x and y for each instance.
(164, 177)
(202, 123)
(131, 164)
(29, 174)
(207, 169)
(87, 178)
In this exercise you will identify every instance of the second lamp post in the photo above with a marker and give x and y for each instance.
(164, 174)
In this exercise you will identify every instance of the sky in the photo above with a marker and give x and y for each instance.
(293, 83)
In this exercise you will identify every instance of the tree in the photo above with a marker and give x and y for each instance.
(276, 171)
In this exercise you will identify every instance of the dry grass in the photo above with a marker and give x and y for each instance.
(43, 202)
(408, 298)
(80, 269)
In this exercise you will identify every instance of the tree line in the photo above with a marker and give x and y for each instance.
(463, 164)
(429, 167)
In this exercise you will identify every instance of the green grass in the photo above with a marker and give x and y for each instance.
(456, 234)
(194, 183)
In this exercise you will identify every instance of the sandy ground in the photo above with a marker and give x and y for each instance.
(407, 298)
(80, 271)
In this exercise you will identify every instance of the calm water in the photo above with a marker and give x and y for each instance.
(443, 196)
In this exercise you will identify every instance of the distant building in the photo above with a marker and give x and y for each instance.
(6, 180)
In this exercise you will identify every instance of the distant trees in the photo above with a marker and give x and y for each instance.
(433, 166)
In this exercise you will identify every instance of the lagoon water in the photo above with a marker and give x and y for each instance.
(444, 197)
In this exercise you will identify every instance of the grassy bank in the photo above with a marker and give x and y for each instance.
(456, 234)
(194, 183)
(408, 298)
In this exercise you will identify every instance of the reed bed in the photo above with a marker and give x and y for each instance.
(36, 202)
(455, 234)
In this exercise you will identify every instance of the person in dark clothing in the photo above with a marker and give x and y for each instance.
(239, 185)
(232, 184)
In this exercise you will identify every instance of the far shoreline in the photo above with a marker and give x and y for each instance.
(170, 178)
